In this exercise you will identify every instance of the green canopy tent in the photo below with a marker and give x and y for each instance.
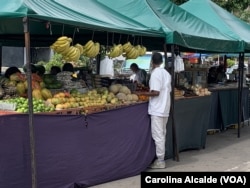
(224, 21)
(227, 23)
(49, 20)
(189, 30)
(137, 18)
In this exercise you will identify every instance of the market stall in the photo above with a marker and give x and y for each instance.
(229, 24)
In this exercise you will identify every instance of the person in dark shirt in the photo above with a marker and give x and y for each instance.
(140, 74)
(221, 76)
(212, 75)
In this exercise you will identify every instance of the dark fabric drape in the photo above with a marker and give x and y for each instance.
(192, 121)
(225, 108)
(74, 150)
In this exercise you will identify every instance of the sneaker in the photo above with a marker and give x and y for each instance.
(158, 164)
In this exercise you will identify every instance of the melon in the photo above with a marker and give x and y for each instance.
(114, 88)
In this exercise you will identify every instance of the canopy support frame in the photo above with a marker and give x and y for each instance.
(30, 101)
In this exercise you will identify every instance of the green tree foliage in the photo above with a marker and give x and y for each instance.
(233, 6)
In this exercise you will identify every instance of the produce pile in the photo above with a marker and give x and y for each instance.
(45, 101)
(17, 85)
(116, 94)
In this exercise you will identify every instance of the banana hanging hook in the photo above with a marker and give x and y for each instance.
(93, 35)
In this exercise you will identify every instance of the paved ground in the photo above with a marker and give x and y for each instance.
(224, 151)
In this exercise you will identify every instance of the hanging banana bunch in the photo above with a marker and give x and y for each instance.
(133, 53)
(127, 47)
(115, 51)
(72, 54)
(68, 52)
(142, 49)
(80, 47)
(91, 49)
(62, 44)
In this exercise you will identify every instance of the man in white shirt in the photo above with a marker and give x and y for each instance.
(159, 107)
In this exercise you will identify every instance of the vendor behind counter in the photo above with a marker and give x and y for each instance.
(216, 75)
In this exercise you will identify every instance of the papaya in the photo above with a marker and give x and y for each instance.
(20, 88)
(36, 77)
(46, 94)
(35, 85)
(36, 93)
(21, 76)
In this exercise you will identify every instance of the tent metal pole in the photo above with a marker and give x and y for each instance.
(240, 86)
(1, 57)
(175, 149)
(30, 102)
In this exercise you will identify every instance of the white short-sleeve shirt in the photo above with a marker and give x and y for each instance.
(160, 80)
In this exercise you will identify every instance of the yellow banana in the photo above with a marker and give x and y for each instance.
(69, 39)
(120, 49)
(94, 50)
(89, 45)
(138, 47)
(97, 49)
(84, 51)
(132, 54)
(113, 52)
(60, 42)
(79, 46)
(66, 51)
(62, 38)
(70, 52)
(62, 48)
(76, 56)
(73, 54)
(127, 47)
(144, 50)
(90, 52)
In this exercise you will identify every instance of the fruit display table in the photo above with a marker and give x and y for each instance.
(76, 150)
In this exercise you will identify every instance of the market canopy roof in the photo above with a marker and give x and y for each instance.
(50, 19)
(189, 30)
(220, 18)
(157, 19)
